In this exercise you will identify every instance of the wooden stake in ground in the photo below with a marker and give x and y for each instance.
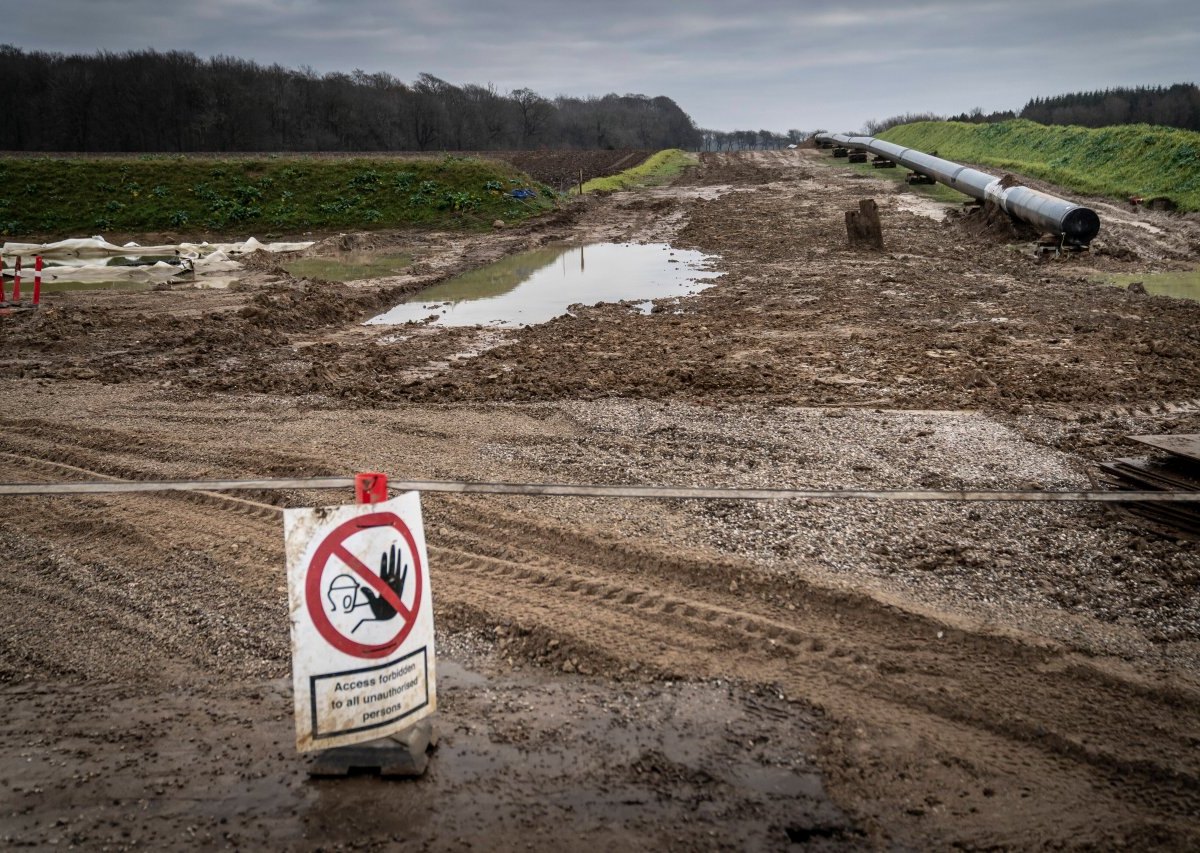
(863, 227)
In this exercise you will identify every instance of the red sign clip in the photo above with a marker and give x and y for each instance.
(370, 488)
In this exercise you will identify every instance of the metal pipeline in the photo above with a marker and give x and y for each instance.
(1077, 224)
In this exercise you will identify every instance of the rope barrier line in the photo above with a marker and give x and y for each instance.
(114, 486)
(561, 490)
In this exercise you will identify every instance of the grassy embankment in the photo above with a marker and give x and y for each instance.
(655, 170)
(288, 194)
(1120, 161)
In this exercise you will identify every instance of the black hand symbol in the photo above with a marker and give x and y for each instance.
(391, 574)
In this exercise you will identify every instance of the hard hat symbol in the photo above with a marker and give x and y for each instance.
(343, 590)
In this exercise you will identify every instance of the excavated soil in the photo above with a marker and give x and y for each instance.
(624, 673)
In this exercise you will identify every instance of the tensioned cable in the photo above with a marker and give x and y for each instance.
(595, 491)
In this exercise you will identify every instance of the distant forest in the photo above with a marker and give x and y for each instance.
(749, 140)
(1169, 106)
(143, 101)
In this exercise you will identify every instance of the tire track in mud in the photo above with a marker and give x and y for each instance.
(48, 597)
(127, 453)
(558, 550)
(807, 628)
(1145, 409)
(985, 730)
(158, 590)
(874, 635)
(1024, 718)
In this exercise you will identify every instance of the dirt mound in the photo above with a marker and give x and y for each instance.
(991, 222)
(728, 167)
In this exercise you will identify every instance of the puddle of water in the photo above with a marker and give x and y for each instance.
(65, 286)
(127, 272)
(62, 278)
(349, 266)
(1180, 285)
(140, 260)
(537, 286)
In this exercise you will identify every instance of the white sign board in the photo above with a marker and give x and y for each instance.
(362, 621)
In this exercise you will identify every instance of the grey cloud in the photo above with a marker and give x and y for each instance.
(772, 64)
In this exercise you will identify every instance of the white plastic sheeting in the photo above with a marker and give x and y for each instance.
(89, 260)
(98, 247)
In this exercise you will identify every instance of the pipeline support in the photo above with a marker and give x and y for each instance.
(1076, 224)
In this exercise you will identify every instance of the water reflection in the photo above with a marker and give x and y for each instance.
(349, 266)
(536, 286)
(1180, 285)
(66, 286)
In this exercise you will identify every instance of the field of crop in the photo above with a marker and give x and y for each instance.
(1115, 161)
(72, 196)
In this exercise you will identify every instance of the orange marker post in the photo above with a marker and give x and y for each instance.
(37, 280)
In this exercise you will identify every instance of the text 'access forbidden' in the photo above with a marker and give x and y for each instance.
(362, 621)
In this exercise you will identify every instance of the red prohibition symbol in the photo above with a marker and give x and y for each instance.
(334, 545)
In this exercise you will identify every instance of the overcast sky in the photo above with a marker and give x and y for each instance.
(729, 63)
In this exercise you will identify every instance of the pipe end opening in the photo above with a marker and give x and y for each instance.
(1081, 225)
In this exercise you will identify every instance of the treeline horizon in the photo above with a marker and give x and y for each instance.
(749, 140)
(1177, 105)
(146, 101)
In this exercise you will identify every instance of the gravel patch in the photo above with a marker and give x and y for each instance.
(1036, 567)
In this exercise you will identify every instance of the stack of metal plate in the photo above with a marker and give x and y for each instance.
(1177, 471)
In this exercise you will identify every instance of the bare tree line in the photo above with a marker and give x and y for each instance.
(874, 127)
(749, 140)
(147, 101)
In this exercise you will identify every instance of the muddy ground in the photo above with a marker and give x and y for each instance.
(667, 674)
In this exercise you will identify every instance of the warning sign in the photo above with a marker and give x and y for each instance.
(362, 621)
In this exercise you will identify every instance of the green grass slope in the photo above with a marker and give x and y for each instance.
(1120, 161)
(657, 169)
(45, 195)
